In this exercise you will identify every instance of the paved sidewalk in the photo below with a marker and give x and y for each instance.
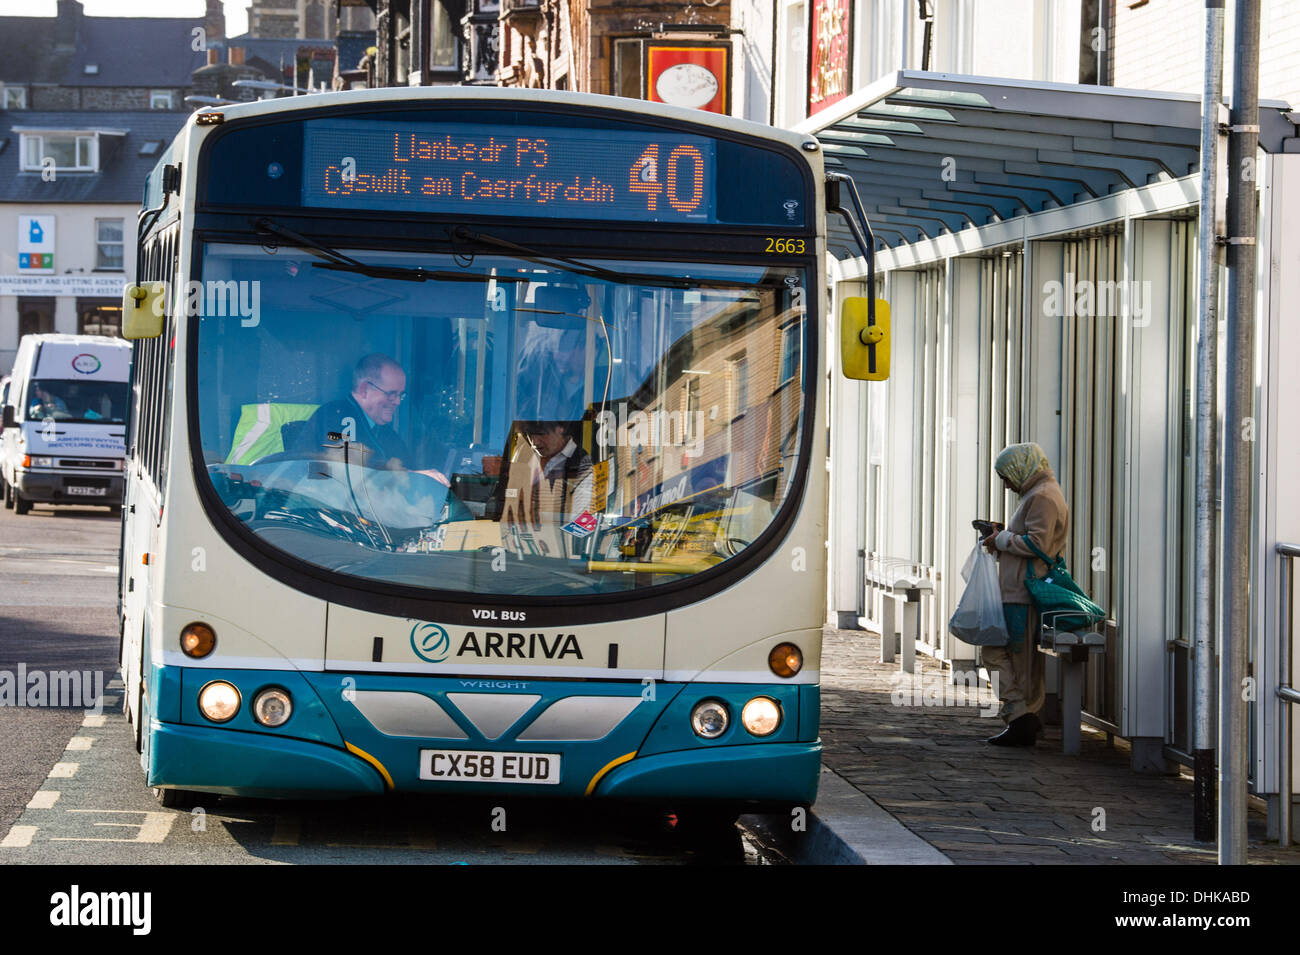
(929, 767)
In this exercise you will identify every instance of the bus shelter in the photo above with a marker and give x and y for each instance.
(1037, 243)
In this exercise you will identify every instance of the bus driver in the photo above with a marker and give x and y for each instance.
(365, 416)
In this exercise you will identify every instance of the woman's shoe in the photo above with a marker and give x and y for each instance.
(1022, 731)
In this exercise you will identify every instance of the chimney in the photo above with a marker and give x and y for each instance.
(67, 24)
(214, 21)
(236, 55)
(214, 56)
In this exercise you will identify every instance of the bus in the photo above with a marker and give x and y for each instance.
(475, 447)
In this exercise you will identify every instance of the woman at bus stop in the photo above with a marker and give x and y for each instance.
(1044, 518)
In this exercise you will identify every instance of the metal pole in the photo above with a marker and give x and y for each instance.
(1238, 435)
(1207, 373)
(1284, 786)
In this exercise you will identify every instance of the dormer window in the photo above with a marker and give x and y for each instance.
(160, 99)
(15, 97)
(92, 69)
(71, 152)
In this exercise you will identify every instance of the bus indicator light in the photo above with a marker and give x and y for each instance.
(785, 660)
(198, 640)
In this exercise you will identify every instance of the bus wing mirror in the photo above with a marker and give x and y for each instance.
(864, 343)
(142, 310)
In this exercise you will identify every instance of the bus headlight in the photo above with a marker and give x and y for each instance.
(272, 707)
(761, 716)
(219, 701)
(709, 719)
(785, 660)
(198, 640)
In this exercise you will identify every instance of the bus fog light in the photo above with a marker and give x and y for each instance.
(198, 640)
(761, 716)
(219, 701)
(709, 719)
(272, 707)
(785, 660)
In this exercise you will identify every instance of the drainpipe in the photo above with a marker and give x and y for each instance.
(1238, 435)
(1207, 357)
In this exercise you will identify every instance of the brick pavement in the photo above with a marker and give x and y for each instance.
(929, 767)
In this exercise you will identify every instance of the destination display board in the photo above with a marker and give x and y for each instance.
(508, 170)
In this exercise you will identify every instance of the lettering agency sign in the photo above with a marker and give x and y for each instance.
(691, 73)
(36, 244)
(830, 45)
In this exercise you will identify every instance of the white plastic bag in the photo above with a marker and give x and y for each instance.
(978, 618)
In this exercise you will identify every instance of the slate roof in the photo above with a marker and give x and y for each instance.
(122, 168)
(129, 51)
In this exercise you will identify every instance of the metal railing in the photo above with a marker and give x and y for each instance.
(1286, 694)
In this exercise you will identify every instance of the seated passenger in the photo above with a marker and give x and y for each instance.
(551, 479)
(46, 404)
(365, 417)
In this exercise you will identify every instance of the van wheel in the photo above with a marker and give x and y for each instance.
(21, 504)
(9, 496)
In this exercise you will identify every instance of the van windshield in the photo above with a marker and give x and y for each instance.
(94, 402)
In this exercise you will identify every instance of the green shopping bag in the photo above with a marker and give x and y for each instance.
(1062, 603)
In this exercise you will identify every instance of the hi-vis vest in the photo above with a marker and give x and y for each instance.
(258, 431)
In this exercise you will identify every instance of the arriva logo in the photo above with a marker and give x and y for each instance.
(430, 642)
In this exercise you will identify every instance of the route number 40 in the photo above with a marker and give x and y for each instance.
(643, 177)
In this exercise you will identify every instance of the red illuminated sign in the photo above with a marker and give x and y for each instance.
(691, 73)
(831, 44)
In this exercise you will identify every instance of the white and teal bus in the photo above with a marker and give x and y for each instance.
(476, 447)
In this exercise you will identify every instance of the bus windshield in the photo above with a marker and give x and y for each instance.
(506, 425)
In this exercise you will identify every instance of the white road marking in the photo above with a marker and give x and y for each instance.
(94, 722)
(45, 799)
(80, 742)
(64, 770)
(153, 829)
(18, 837)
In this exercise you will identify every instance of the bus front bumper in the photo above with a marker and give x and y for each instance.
(330, 748)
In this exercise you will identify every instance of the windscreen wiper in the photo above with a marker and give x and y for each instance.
(340, 262)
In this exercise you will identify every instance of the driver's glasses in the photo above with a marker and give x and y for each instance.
(394, 395)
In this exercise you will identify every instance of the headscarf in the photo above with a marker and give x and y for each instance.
(1020, 462)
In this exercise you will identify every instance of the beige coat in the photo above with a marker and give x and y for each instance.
(1044, 516)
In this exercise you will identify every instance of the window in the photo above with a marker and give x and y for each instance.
(443, 46)
(789, 352)
(15, 97)
(35, 316)
(627, 68)
(160, 99)
(96, 317)
(739, 384)
(73, 152)
(108, 245)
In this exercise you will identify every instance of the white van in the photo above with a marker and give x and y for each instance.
(64, 422)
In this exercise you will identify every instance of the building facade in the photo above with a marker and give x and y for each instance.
(80, 126)
(1037, 241)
